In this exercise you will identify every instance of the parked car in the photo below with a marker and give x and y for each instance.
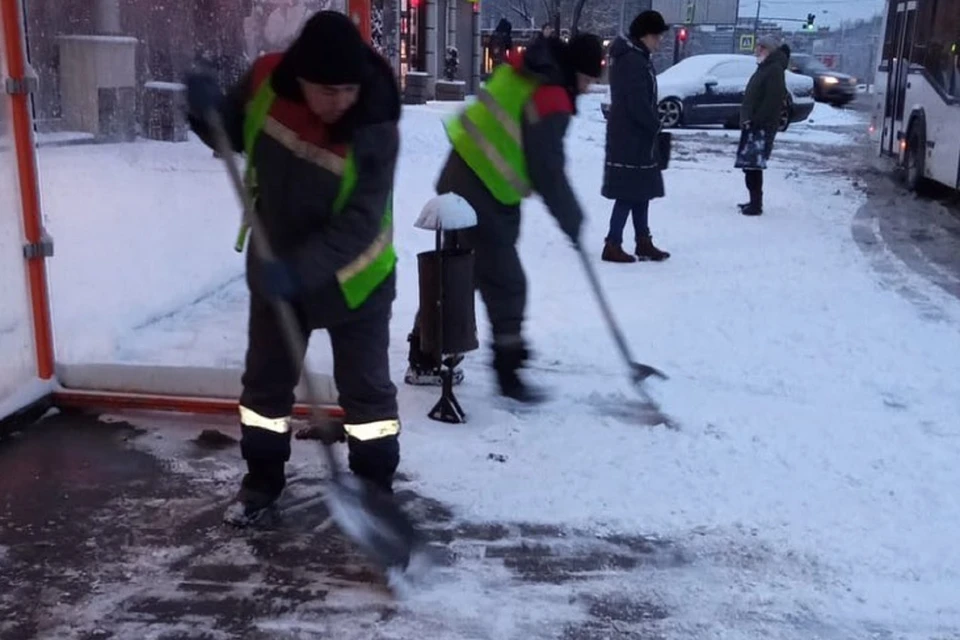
(829, 86)
(708, 89)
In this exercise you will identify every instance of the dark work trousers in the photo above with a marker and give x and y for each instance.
(361, 372)
(498, 273)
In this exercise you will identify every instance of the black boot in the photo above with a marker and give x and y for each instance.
(754, 181)
(646, 250)
(754, 207)
(260, 489)
(507, 362)
(422, 370)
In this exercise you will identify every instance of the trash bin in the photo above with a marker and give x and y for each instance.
(446, 293)
(447, 318)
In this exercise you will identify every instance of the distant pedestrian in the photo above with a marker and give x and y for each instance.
(760, 114)
(631, 172)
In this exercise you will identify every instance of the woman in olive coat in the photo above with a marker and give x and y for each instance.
(760, 113)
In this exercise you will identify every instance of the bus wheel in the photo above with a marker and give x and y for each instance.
(915, 157)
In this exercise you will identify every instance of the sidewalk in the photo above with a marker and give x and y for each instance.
(101, 539)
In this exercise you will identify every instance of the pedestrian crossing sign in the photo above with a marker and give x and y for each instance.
(746, 42)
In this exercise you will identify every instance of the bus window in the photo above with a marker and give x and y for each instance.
(936, 48)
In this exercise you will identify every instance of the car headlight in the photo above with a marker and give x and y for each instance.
(829, 80)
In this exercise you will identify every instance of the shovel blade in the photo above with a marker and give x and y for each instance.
(373, 521)
(640, 372)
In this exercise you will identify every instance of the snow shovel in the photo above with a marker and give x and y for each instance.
(369, 518)
(638, 372)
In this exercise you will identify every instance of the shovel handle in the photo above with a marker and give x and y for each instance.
(638, 372)
(605, 307)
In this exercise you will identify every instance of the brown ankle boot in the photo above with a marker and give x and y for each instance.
(615, 253)
(646, 250)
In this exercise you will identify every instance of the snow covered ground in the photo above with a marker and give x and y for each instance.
(813, 476)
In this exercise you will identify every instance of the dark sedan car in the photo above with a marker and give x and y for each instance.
(708, 89)
(829, 86)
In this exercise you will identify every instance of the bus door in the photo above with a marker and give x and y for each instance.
(898, 73)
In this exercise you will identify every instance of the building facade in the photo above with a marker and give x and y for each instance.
(100, 63)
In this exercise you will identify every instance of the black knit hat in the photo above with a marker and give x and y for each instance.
(329, 50)
(585, 53)
(647, 23)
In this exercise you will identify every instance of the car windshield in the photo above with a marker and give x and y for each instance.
(812, 64)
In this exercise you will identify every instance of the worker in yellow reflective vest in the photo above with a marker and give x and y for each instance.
(507, 145)
(318, 124)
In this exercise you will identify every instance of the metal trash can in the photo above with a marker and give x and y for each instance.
(447, 311)
(447, 321)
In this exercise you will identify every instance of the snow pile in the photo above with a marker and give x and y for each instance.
(17, 368)
(825, 115)
(140, 229)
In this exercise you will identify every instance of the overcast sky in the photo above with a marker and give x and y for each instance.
(828, 12)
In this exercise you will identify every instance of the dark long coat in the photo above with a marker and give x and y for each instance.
(631, 171)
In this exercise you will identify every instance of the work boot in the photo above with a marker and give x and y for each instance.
(421, 377)
(260, 489)
(615, 253)
(375, 461)
(646, 250)
(423, 371)
(507, 362)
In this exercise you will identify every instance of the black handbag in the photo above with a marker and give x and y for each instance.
(664, 143)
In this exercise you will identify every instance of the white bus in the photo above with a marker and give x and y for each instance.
(917, 113)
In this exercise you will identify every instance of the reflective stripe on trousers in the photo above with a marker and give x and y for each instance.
(373, 430)
(251, 418)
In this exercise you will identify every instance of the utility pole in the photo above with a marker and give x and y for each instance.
(756, 24)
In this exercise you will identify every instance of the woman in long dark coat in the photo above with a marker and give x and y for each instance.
(631, 173)
(760, 112)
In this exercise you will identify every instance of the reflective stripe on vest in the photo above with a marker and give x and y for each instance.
(488, 135)
(360, 278)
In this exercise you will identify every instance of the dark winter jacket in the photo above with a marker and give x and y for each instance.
(293, 157)
(631, 171)
(543, 129)
(763, 98)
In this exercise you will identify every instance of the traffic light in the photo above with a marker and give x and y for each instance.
(809, 24)
(682, 34)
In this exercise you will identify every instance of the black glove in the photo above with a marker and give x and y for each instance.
(203, 93)
(278, 280)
